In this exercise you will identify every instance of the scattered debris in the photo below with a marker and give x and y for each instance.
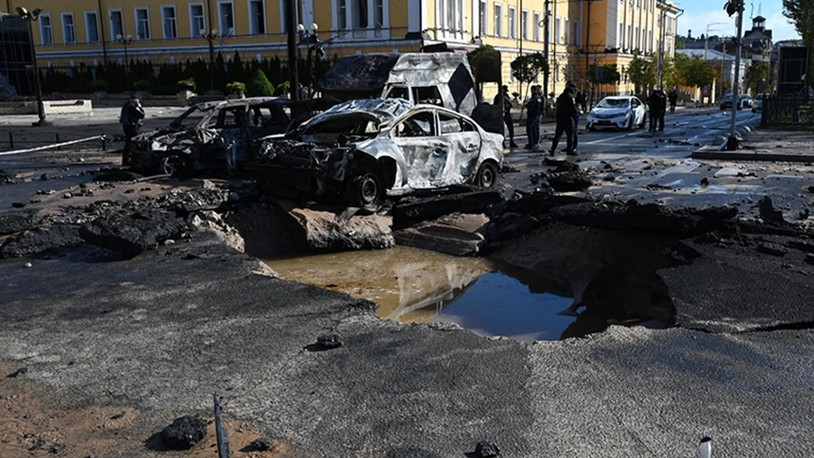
(486, 450)
(183, 433)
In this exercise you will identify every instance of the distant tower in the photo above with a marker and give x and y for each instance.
(759, 23)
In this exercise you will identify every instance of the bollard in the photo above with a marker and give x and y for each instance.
(104, 143)
(11, 140)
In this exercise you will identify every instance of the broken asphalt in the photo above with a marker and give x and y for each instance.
(162, 331)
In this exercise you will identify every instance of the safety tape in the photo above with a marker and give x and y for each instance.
(55, 145)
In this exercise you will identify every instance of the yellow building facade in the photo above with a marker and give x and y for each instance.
(580, 33)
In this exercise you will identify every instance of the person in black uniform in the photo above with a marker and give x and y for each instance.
(567, 114)
(504, 98)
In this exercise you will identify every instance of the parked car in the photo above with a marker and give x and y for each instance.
(211, 135)
(744, 101)
(623, 112)
(757, 102)
(364, 150)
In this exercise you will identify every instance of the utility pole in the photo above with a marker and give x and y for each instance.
(732, 142)
(547, 69)
(103, 37)
(291, 28)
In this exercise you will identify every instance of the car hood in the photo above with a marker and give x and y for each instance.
(608, 111)
(383, 110)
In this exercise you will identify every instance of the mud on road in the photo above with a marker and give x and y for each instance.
(128, 304)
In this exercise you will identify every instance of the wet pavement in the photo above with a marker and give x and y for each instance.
(162, 332)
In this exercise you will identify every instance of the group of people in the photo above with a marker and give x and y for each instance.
(568, 115)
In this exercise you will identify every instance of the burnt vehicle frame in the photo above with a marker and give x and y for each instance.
(219, 135)
(363, 151)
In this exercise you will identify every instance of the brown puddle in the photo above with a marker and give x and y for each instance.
(410, 285)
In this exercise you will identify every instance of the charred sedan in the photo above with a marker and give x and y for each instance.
(365, 150)
(218, 135)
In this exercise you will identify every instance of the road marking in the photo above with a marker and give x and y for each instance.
(604, 139)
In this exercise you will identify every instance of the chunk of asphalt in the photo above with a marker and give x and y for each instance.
(183, 433)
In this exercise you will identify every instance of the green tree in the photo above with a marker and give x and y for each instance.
(259, 85)
(801, 13)
(642, 72)
(527, 68)
(756, 78)
(604, 74)
(693, 71)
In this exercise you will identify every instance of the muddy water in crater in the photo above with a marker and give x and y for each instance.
(412, 285)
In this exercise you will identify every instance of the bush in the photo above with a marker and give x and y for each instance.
(141, 85)
(98, 85)
(186, 85)
(259, 85)
(235, 88)
(282, 89)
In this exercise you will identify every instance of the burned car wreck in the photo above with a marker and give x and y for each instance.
(362, 151)
(219, 135)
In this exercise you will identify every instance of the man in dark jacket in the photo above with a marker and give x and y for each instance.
(131, 119)
(657, 103)
(534, 116)
(672, 96)
(505, 100)
(567, 115)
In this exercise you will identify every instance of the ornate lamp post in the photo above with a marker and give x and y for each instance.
(310, 39)
(211, 36)
(125, 41)
(29, 17)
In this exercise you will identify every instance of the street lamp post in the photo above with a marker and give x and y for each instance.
(211, 36)
(29, 17)
(310, 38)
(125, 41)
(735, 6)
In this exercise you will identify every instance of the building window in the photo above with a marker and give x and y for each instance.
(45, 30)
(629, 43)
(512, 22)
(621, 36)
(343, 14)
(360, 14)
(451, 14)
(524, 20)
(197, 20)
(91, 27)
(557, 34)
(498, 20)
(567, 31)
(536, 26)
(257, 17)
(116, 23)
(482, 16)
(227, 19)
(378, 17)
(142, 24)
(636, 38)
(68, 30)
(169, 24)
(577, 34)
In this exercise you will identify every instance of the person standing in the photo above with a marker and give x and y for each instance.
(672, 96)
(131, 119)
(567, 114)
(662, 107)
(534, 110)
(506, 99)
(581, 102)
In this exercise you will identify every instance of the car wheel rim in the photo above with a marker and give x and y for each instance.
(368, 190)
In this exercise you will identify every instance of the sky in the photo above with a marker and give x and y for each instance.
(702, 15)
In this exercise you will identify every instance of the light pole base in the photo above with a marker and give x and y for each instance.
(732, 143)
(41, 123)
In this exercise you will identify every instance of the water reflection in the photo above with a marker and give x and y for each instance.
(412, 285)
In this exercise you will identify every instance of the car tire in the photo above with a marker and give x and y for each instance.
(173, 165)
(367, 191)
(487, 175)
(591, 127)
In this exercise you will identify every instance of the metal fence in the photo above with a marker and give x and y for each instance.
(796, 109)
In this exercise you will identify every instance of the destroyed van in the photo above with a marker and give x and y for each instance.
(443, 79)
